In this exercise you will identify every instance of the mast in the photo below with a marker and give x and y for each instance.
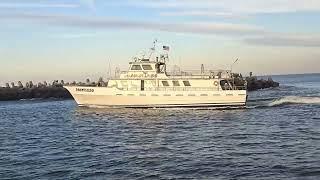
(153, 49)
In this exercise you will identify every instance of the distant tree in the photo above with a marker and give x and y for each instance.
(74, 83)
(62, 82)
(31, 84)
(27, 85)
(40, 84)
(20, 85)
(45, 84)
(250, 74)
(13, 85)
(7, 85)
(88, 81)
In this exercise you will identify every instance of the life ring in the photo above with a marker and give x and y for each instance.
(216, 83)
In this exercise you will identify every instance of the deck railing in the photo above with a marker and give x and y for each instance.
(183, 89)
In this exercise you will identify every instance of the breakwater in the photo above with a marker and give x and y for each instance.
(16, 93)
(253, 83)
(56, 90)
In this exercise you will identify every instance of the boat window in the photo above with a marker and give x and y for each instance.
(147, 67)
(175, 83)
(136, 67)
(186, 83)
(165, 83)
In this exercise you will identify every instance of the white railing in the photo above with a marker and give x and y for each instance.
(183, 89)
(187, 74)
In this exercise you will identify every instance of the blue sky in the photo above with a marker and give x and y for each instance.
(75, 39)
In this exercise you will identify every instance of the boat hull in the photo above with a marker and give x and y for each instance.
(113, 97)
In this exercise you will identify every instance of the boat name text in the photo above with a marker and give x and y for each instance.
(84, 90)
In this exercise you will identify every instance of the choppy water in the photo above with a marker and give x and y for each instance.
(277, 137)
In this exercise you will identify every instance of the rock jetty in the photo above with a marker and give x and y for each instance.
(56, 90)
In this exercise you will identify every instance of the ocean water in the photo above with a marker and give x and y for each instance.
(276, 137)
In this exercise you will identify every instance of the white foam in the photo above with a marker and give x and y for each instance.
(295, 100)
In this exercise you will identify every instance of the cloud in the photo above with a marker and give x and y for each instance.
(229, 6)
(199, 13)
(249, 34)
(285, 40)
(91, 4)
(74, 36)
(82, 22)
(37, 5)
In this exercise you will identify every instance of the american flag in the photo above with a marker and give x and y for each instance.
(166, 48)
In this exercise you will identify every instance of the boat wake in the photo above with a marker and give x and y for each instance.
(287, 100)
(294, 100)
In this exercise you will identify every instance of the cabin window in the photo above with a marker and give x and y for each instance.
(136, 67)
(175, 83)
(165, 83)
(186, 83)
(147, 67)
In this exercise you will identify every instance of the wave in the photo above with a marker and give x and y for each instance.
(295, 100)
(261, 99)
(32, 99)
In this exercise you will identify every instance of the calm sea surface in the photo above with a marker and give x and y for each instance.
(277, 137)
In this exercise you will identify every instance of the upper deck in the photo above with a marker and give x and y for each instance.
(146, 69)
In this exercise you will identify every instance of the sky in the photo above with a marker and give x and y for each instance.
(77, 39)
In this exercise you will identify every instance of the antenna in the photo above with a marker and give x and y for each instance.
(109, 70)
(232, 73)
(202, 68)
(234, 63)
(153, 49)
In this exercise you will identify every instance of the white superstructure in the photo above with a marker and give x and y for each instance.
(148, 85)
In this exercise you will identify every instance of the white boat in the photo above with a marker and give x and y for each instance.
(147, 84)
